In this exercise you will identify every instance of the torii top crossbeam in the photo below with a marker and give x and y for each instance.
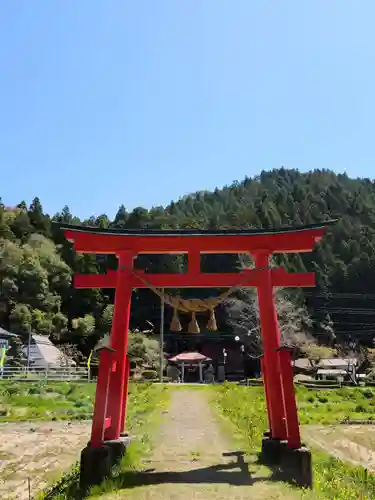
(112, 241)
(194, 243)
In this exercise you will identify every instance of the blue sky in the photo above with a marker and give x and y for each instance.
(104, 102)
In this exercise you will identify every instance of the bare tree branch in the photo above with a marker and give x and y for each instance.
(243, 313)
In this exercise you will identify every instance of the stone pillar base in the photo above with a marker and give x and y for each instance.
(271, 448)
(293, 465)
(297, 466)
(97, 463)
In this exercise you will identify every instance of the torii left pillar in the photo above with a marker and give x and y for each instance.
(108, 438)
(118, 389)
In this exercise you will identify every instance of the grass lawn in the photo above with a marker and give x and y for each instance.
(335, 405)
(31, 401)
(245, 408)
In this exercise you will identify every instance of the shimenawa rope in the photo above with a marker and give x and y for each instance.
(193, 306)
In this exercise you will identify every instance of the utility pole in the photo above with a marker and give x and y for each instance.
(28, 350)
(161, 336)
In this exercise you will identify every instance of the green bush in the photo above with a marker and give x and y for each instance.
(149, 374)
(360, 409)
(368, 394)
(3, 412)
(322, 399)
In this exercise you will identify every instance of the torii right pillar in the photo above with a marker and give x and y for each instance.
(281, 445)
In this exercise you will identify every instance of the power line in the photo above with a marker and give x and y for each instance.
(342, 295)
(348, 333)
(349, 310)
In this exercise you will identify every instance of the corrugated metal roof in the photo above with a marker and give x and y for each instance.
(49, 352)
(302, 363)
(335, 362)
(332, 372)
(5, 333)
(44, 352)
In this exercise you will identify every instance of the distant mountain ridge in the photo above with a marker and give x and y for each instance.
(36, 274)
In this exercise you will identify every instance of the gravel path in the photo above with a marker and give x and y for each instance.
(190, 460)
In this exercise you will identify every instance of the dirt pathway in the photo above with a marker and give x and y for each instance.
(349, 443)
(194, 460)
(39, 451)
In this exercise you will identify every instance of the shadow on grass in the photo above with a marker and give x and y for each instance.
(220, 473)
(235, 473)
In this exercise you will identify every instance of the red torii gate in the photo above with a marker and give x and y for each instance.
(112, 387)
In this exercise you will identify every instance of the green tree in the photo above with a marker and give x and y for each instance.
(60, 323)
(5, 231)
(84, 326)
(41, 322)
(105, 323)
(32, 278)
(59, 273)
(21, 319)
(38, 219)
(15, 355)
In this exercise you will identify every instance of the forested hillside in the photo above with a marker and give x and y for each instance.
(36, 263)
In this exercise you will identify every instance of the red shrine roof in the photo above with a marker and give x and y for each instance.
(190, 357)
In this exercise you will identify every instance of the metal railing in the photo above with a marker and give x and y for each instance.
(77, 373)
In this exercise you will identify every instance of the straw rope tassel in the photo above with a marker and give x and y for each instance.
(175, 323)
(193, 325)
(212, 325)
(194, 306)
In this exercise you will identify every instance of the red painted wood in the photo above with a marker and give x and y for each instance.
(298, 241)
(101, 399)
(266, 392)
(194, 262)
(115, 384)
(125, 398)
(271, 342)
(119, 342)
(294, 438)
(279, 277)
